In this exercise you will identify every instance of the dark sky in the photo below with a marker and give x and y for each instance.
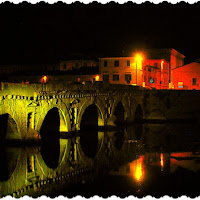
(47, 33)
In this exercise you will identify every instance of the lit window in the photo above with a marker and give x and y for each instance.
(180, 84)
(194, 81)
(105, 77)
(105, 63)
(128, 63)
(116, 63)
(116, 77)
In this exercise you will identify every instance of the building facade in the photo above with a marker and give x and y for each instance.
(29, 68)
(187, 77)
(151, 69)
(67, 65)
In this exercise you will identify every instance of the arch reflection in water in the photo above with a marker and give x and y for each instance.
(90, 142)
(119, 113)
(50, 149)
(138, 130)
(119, 139)
(8, 158)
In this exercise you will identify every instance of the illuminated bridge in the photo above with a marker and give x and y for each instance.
(27, 111)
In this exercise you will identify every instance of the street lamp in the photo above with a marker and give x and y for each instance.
(138, 59)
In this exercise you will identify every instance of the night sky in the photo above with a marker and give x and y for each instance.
(47, 33)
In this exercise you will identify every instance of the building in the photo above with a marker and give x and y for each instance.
(28, 69)
(151, 68)
(186, 77)
(67, 65)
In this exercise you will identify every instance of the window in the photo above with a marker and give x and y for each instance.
(128, 63)
(105, 77)
(115, 77)
(105, 63)
(116, 63)
(180, 84)
(149, 69)
(128, 77)
(194, 81)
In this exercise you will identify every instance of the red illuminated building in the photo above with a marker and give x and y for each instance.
(186, 77)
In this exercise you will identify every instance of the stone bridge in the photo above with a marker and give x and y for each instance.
(27, 110)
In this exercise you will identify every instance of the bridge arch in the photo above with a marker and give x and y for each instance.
(62, 111)
(138, 114)
(120, 109)
(9, 127)
(91, 106)
(52, 121)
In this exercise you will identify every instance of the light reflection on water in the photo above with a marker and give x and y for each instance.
(146, 161)
(137, 169)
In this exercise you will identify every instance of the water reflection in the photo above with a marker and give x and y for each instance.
(8, 159)
(119, 139)
(50, 151)
(90, 142)
(117, 162)
(161, 161)
(137, 169)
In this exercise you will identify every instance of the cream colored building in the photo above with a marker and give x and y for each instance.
(77, 64)
(121, 70)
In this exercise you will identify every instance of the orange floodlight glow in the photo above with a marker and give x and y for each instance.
(161, 161)
(44, 79)
(137, 169)
(138, 59)
(97, 78)
(162, 62)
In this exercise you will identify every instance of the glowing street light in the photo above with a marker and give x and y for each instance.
(44, 79)
(138, 60)
(97, 78)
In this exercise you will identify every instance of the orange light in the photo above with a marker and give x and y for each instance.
(97, 78)
(161, 161)
(162, 62)
(137, 169)
(44, 79)
(138, 59)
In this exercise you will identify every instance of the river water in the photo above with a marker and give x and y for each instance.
(139, 160)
